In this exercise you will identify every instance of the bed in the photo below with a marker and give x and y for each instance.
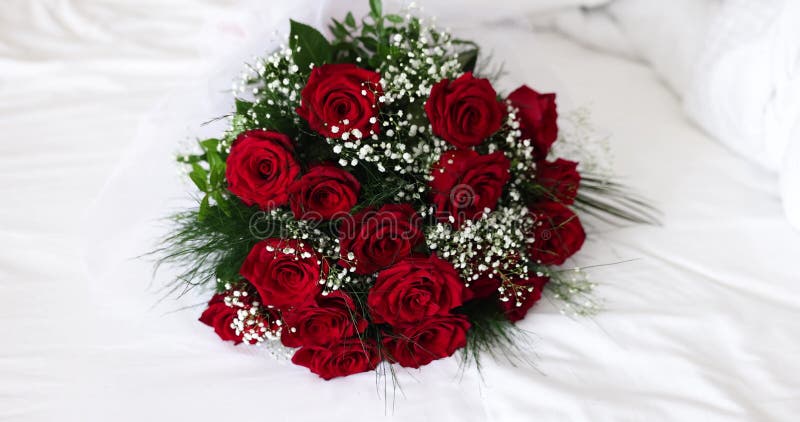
(701, 313)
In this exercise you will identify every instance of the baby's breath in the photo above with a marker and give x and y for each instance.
(493, 246)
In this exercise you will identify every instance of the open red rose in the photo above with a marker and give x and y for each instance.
(527, 292)
(466, 183)
(537, 118)
(375, 239)
(414, 345)
(415, 289)
(285, 273)
(260, 166)
(348, 357)
(341, 98)
(220, 317)
(323, 193)
(560, 178)
(324, 322)
(557, 233)
(465, 111)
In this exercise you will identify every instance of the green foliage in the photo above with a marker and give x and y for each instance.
(493, 334)
(209, 179)
(208, 248)
(308, 45)
(350, 21)
(375, 9)
(612, 202)
(468, 59)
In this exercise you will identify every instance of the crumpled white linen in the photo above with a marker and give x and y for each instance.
(734, 63)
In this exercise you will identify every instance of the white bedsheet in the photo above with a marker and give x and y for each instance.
(735, 64)
(702, 326)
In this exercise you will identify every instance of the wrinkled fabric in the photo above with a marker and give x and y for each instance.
(702, 325)
(735, 64)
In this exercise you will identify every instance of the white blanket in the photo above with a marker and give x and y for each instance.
(702, 326)
(734, 63)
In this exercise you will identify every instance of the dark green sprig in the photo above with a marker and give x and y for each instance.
(208, 175)
(493, 334)
(613, 202)
(210, 248)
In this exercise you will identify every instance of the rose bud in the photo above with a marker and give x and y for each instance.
(537, 118)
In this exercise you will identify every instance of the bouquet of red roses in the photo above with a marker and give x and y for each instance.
(376, 199)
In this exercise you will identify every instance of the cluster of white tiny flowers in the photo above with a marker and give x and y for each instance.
(251, 322)
(273, 84)
(573, 290)
(492, 246)
(281, 223)
(338, 276)
(518, 149)
(579, 141)
(428, 155)
(415, 64)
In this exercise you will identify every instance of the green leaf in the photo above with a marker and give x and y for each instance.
(199, 176)
(367, 29)
(217, 168)
(204, 208)
(308, 45)
(243, 106)
(338, 30)
(376, 9)
(217, 195)
(369, 42)
(468, 59)
(189, 159)
(349, 20)
(210, 144)
(394, 18)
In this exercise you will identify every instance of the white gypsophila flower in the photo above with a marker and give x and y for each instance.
(493, 246)
(579, 141)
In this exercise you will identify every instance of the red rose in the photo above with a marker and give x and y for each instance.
(418, 344)
(348, 357)
(560, 178)
(341, 98)
(286, 273)
(375, 239)
(414, 289)
(537, 118)
(466, 183)
(484, 287)
(557, 233)
(220, 317)
(527, 292)
(465, 111)
(259, 168)
(324, 322)
(323, 193)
